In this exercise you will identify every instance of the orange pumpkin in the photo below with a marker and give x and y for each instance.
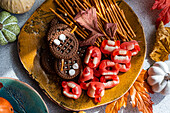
(5, 106)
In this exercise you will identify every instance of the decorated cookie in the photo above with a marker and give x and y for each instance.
(64, 45)
(57, 27)
(54, 22)
(47, 61)
(68, 69)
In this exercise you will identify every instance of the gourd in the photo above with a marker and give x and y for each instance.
(17, 6)
(9, 28)
(159, 77)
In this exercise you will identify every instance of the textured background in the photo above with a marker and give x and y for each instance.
(10, 65)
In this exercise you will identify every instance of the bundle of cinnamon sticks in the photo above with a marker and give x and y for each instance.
(107, 11)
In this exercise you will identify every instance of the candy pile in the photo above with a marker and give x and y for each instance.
(98, 74)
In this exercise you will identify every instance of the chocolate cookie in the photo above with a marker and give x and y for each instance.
(57, 28)
(47, 61)
(54, 22)
(64, 45)
(68, 69)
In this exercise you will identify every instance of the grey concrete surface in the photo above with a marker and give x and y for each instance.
(10, 65)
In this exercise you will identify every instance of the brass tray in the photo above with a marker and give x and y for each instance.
(31, 39)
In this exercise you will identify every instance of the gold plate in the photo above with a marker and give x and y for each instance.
(31, 40)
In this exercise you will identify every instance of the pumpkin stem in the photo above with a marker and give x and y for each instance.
(1, 26)
(167, 77)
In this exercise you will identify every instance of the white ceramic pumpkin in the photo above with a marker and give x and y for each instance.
(159, 77)
(17, 6)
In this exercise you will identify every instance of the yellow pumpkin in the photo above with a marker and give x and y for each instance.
(17, 6)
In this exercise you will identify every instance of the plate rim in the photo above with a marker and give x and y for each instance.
(28, 86)
(70, 109)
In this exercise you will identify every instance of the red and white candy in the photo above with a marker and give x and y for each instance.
(71, 89)
(121, 56)
(93, 57)
(124, 67)
(132, 46)
(108, 67)
(86, 77)
(96, 90)
(109, 81)
(108, 46)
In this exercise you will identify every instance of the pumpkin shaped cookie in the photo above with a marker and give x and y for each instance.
(9, 28)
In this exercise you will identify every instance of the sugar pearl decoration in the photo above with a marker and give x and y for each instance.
(56, 42)
(62, 37)
(72, 72)
(75, 66)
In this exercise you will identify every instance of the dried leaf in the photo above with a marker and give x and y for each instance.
(110, 29)
(165, 13)
(162, 46)
(115, 106)
(139, 96)
(88, 19)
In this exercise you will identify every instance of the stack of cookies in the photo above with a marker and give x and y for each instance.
(62, 56)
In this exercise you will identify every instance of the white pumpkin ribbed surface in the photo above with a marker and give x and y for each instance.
(159, 77)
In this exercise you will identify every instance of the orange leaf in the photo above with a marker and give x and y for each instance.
(139, 95)
(115, 106)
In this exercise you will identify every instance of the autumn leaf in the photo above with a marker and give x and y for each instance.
(162, 46)
(88, 19)
(165, 13)
(115, 106)
(138, 94)
(110, 29)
